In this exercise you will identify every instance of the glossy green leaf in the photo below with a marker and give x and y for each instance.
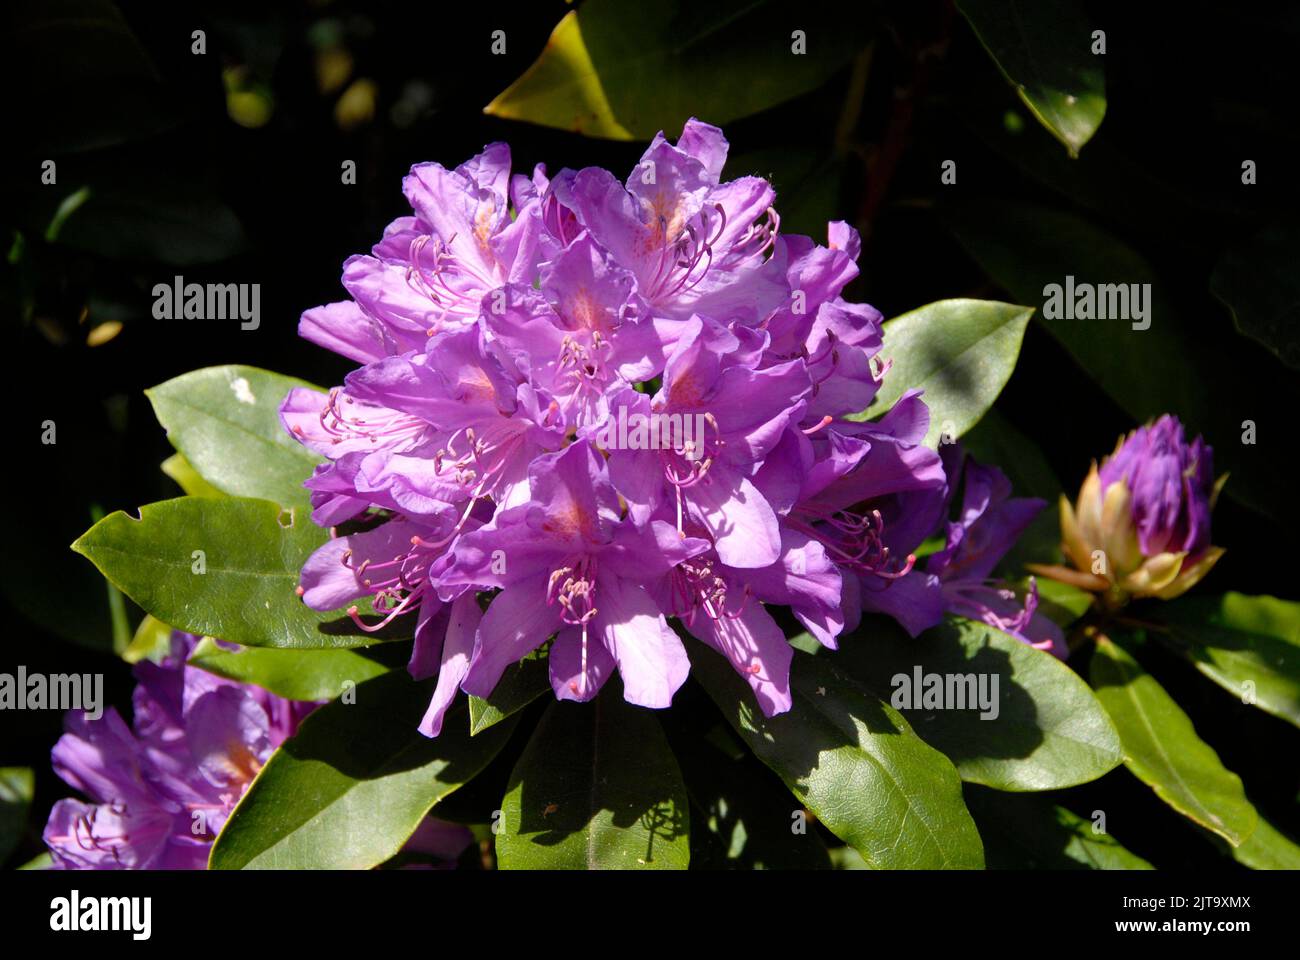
(1030, 833)
(226, 422)
(846, 858)
(1049, 731)
(1045, 52)
(520, 685)
(187, 478)
(1117, 185)
(1163, 368)
(152, 641)
(1268, 849)
(1257, 281)
(1062, 602)
(854, 762)
(350, 787)
(252, 552)
(960, 352)
(596, 789)
(16, 786)
(1250, 646)
(122, 631)
(626, 71)
(742, 816)
(297, 674)
(1026, 248)
(1162, 749)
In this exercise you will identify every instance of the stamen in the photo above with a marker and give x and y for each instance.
(825, 422)
(857, 540)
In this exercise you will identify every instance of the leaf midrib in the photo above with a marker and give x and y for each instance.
(1131, 694)
(891, 779)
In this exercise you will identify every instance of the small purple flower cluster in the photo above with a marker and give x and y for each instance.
(163, 791)
(601, 405)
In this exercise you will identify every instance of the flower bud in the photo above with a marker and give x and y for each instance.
(1141, 524)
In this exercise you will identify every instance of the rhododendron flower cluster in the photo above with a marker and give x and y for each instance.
(163, 791)
(588, 408)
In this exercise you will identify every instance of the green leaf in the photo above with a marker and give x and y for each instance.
(187, 478)
(1045, 52)
(854, 762)
(350, 787)
(626, 71)
(296, 674)
(16, 787)
(1062, 602)
(67, 207)
(596, 789)
(961, 352)
(1268, 849)
(1049, 732)
(742, 816)
(122, 632)
(1257, 281)
(1030, 833)
(520, 685)
(226, 422)
(846, 858)
(1026, 248)
(152, 641)
(252, 551)
(1162, 749)
(1237, 640)
(1147, 372)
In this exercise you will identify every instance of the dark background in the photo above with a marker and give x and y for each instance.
(178, 186)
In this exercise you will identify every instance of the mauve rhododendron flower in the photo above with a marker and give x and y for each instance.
(587, 408)
(988, 523)
(162, 791)
(575, 569)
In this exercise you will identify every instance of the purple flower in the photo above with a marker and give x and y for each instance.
(988, 524)
(582, 335)
(438, 843)
(568, 565)
(587, 406)
(694, 245)
(1141, 525)
(724, 606)
(1170, 484)
(734, 415)
(430, 271)
(162, 792)
(870, 493)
